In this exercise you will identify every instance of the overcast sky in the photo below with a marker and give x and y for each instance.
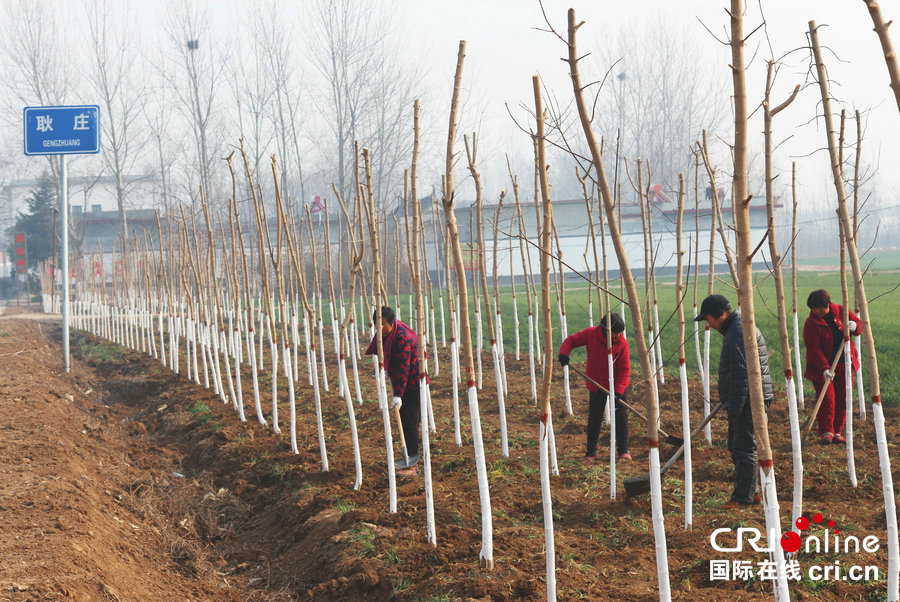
(504, 49)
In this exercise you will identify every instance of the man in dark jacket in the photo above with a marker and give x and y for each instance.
(734, 394)
(401, 362)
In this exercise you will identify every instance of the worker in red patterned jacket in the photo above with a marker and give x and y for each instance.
(823, 336)
(597, 368)
(401, 362)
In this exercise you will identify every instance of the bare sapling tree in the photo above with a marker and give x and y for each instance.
(501, 345)
(718, 221)
(605, 307)
(848, 364)
(858, 336)
(648, 262)
(415, 273)
(281, 224)
(794, 280)
(560, 278)
(486, 556)
(355, 252)
(471, 154)
(682, 368)
(893, 580)
(262, 234)
(378, 294)
(701, 367)
(235, 337)
(769, 113)
(219, 340)
(544, 427)
(526, 268)
(512, 283)
(744, 284)
(454, 335)
(643, 354)
(247, 295)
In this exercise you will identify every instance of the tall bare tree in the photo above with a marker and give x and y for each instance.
(38, 68)
(660, 94)
(114, 59)
(252, 89)
(195, 84)
(281, 60)
(367, 94)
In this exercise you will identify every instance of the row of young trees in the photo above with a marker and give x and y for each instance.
(198, 304)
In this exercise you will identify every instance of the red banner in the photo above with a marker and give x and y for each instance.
(21, 252)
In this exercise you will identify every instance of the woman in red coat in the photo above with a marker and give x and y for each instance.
(597, 368)
(823, 336)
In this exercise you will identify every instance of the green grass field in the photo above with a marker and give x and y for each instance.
(884, 299)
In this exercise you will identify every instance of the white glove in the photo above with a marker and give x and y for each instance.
(396, 402)
(827, 374)
(852, 326)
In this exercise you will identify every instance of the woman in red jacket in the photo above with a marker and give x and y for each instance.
(823, 336)
(597, 368)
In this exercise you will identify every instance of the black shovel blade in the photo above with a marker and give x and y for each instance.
(673, 440)
(639, 485)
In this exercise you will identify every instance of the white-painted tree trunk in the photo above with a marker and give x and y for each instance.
(890, 507)
(322, 348)
(504, 441)
(611, 418)
(796, 449)
(686, 435)
(563, 323)
(860, 392)
(659, 530)
(773, 528)
(531, 358)
(848, 426)
(797, 360)
(707, 431)
(257, 403)
(516, 322)
(424, 410)
(454, 360)
(386, 419)
(487, 529)
(547, 503)
(351, 415)
(292, 403)
(443, 329)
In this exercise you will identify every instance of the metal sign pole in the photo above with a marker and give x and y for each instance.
(67, 286)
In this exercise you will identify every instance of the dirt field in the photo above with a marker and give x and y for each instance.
(123, 481)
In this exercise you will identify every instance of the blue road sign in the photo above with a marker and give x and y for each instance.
(66, 130)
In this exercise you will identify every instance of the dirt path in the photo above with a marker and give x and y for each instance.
(125, 481)
(68, 481)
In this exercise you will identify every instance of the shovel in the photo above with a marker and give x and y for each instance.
(670, 439)
(641, 484)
